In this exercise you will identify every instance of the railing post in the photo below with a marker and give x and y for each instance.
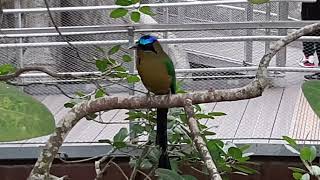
(18, 24)
(268, 32)
(131, 71)
(248, 45)
(166, 21)
(283, 13)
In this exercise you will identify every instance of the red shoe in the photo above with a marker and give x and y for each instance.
(307, 62)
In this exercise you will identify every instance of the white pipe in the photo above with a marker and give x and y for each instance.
(195, 70)
(165, 41)
(111, 7)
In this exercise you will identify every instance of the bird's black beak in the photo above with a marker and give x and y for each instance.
(135, 46)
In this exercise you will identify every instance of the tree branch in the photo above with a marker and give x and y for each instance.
(20, 71)
(200, 143)
(252, 90)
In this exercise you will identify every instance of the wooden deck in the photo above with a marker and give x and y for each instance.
(278, 112)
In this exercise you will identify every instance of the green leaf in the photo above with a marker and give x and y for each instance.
(101, 65)
(154, 155)
(91, 116)
(105, 141)
(146, 164)
(174, 165)
(297, 175)
(208, 133)
(146, 10)
(203, 116)
(119, 145)
(189, 177)
(235, 152)
(7, 69)
(126, 58)
(305, 177)
(120, 69)
(121, 135)
(295, 169)
(308, 153)
(166, 174)
(133, 79)
(117, 13)
(100, 93)
(69, 104)
(291, 141)
(311, 90)
(135, 1)
(135, 16)
(217, 114)
(291, 149)
(79, 93)
(123, 2)
(22, 116)
(259, 1)
(315, 170)
(245, 169)
(244, 147)
(114, 49)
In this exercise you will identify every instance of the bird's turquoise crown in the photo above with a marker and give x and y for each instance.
(147, 39)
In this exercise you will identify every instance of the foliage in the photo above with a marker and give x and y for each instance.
(228, 157)
(22, 117)
(307, 156)
(135, 14)
(311, 90)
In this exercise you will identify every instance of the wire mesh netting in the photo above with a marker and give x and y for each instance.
(24, 31)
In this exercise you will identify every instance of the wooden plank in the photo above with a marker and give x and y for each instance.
(284, 116)
(92, 129)
(110, 130)
(259, 117)
(228, 124)
(305, 122)
(40, 97)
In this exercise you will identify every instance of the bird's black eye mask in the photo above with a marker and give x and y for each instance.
(147, 47)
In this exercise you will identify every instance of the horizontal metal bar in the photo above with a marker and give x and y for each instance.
(158, 27)
(111, 7)
(91, 149)
(195, 70)
(164, 41)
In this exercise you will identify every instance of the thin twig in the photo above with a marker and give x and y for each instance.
(144, 154)
(141, 172)
(61, 35)
(20, 71)
(97, 166)
(120, 169)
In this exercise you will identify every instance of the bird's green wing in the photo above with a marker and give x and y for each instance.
(172, 74)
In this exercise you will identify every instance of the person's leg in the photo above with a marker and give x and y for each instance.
(308, 47)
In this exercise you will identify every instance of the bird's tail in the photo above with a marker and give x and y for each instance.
(161, 138)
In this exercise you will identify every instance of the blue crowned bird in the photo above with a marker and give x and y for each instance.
(157, 73)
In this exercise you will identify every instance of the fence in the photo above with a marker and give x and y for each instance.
(234, 25)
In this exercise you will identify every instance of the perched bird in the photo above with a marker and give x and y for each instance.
(157, 73)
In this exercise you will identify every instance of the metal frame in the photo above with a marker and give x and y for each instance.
(164, 41)
(88, 149)
(88, 30)
(111, 7)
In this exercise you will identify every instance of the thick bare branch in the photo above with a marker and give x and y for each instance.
(254, 89)
(200, 143)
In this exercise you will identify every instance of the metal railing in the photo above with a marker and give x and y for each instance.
(281, 25)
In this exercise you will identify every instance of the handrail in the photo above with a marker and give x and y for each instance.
(194, 70)
(111, 7)
(82, 30)
(164, 41)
